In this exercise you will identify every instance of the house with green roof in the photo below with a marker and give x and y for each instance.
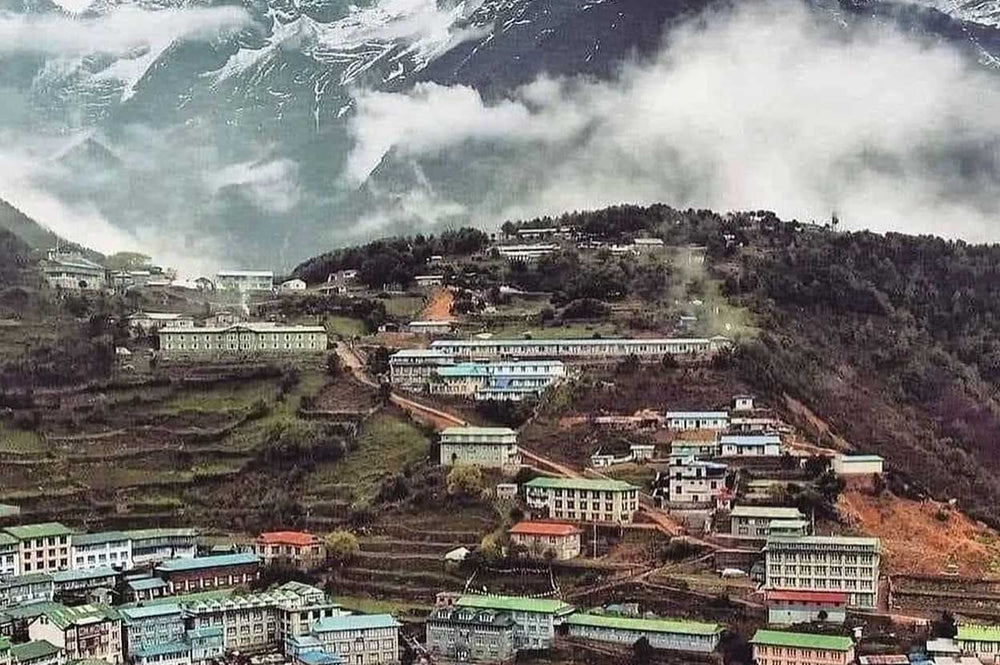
(676, 635)
(38, 652)
(771, 647)
(979, 640)
(535, 619)
(42, 547)
(755, 521)
(600, 500)
(92, 631)
(491, 447)
(103, 548)
(23, 589)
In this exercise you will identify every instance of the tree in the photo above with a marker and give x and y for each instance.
(465, 481)
(628, 365)
(945, 626)
(341, 547)
(642, 652)
(669, 362)
(490, 549)
(334, 367)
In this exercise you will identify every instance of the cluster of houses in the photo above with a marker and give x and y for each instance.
(426, 370)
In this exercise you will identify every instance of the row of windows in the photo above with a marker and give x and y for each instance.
(832, 557)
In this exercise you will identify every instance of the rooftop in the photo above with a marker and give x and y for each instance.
(793, 596)
(645, 625)
(150, 534)
(245, 273)
(299, 538)
(147, 583)
(444, 343)
(977, 633)
(781, 638)
(99, 538)
(419, 353)
(862, 458)
(773, 512)
(198, 563)
(697, 414)
(149, 611)
(544, 529)
(64, 617)
(43, 530)
(515, 604)
(354, 622)
(23, 580)
(30, 651)
(825, 540)
(749, 439)
(63, 576)
(251, 327)
(7, 539)
(478, 431)
(600, 484)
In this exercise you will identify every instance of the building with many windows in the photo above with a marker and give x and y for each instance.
(778, 647)
(104, 548)
(242, 339)
(691, 483)
(303, 550)
(750, 445)
(697, 420)
(825, 563)
(86, 632)
(71, 270)
(42, 547)
(691, 636)
(541, 538)
(981, 641)
(756, 521)
(25, 589)
(244, 280)
(411, 369)
(535, 619)
(583, 499)
(579, 349)
(465, 634)
(369, 639)
(151, 546)
(68, 584)
(209, 572)
(10, 555)
(493, 447)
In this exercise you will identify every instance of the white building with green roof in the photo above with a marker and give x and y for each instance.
(598, 500)
(825, 563)
(755, 521)
(103, 548)
(780, 647)
(535, 619)
(491, 447)
(981, 641)
(692, 636)
(86, 632)
(42, 547)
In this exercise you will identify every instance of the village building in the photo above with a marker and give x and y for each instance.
(147, 322)
(469, 635)
(10, 555)
(692, 484)
(292, 286)
(157, 634)
(209, 572)
(85, 632)
(792, 607)
(541, 539)
(647, 244)
(25, 589)
(535, 619)
(372, 639)
(430, 327)
(72, 271)
(38, 652)
(825, 563)
(244, 280)
(857, 465)
(425, 281)
(583, 499)
(104, 548)
(743, 403)
(79, 583)
(411, 369)
(303, 550)
(753, 423)
(145, 589)
(526, 253)
(750, 445)
(981, 641)
(151, 546)
(697, 420)
(699, 444)
(778, 647)
(756, 521)
(243, 339)
(580, 349)
(690, 636)
(506, 491)
(496, 380)
(42, 547)
(492, 447)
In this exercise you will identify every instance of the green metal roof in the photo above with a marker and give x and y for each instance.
(354, 622)
(99, 538)
(515, 604)
(975, 633)
(4, 644)
(43, 530)
(478, 431)
(203, 562)
(826, 540)
(605, 484)
(781, 638)
(773, 512)
(32, 610)
(7, 539)
(30, 651)
(147, 534)
(644, 625)
(9, 510)
(64, 617)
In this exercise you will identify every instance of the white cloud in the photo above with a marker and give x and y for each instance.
(273, 185)
(763, 107)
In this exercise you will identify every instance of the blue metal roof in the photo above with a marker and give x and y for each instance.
(149, 611)
(319, 658)
(147, 583)
(199, 563)
(62, 576)
(354, 622)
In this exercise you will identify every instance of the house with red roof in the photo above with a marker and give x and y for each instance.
(559, 540)
(303, 550)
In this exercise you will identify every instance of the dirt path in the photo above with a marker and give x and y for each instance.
(438, 305)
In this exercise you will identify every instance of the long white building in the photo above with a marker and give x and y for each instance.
(244, 280)
(579, 349)
(494, 447)
(243, 339)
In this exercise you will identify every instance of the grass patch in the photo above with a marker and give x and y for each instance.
(568, 331)
(404, 307)
(639, 475)
(366, 605)
(14, 440)
(344, 326)
(228, 397)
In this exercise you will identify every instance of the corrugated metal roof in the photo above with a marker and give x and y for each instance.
(582, 483)
(515, 604)
(198, 563)
(781, 638)
(354, 622)
(644, 625)
(544, 529)
(42, 530)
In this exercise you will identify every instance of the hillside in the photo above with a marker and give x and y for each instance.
(36, 236)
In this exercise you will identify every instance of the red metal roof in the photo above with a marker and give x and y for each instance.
(544, 529)
(793, 596)
(287, 538)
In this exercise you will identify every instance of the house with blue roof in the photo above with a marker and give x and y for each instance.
(359, 638)
(209, 572)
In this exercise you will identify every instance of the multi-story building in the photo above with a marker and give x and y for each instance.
(147, 322)
(151, 546)
(583, 499)
(579, 349)
(750, 445)
(42, 547)
(480, 446)
(303, 550)
(756, 521)
(691, 483)
(526, 253)
(702, 444)
(670, 634)
(241, 340)
(411, 369)
(157, 634)
(25, 589)
(77, 583)
(104, 548)
(981, 641)
(145, 588)
(360, 638)
(73, 271)
(244, 280)
(793, 607)
(682, 421)
(516, 379)
(86, 632)
(430, 327)
(535, 619)
(10, 555)
(209, 572)
(464, 635)
(543, 539)
(825, 563)
(38, 652)
(778, 647)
